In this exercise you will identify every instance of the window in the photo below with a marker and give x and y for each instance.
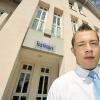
(31, 81)
(74, 24)
(19, 98)
(56, 26)
(38, 23)
(43, 84)
(21, 91)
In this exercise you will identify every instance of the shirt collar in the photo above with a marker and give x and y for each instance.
(83, 72)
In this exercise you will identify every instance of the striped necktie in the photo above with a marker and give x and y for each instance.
(96, 84)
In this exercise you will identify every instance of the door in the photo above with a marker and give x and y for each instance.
(22, 86)
(44, 79)
(33, 82)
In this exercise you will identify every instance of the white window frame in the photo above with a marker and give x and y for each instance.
(44, 74)
(37, 27)
(74, 25)
(20, 94)
(55, 26)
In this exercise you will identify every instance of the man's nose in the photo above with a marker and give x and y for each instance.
(88, 47)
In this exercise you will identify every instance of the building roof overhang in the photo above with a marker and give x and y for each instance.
(92, 7)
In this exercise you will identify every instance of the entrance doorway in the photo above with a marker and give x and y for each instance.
(33, 82)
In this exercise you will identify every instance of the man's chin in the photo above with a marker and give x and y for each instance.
(90, 67)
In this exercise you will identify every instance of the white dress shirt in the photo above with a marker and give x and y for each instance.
(75, 85)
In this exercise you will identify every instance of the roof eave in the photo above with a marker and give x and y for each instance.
(92, 7)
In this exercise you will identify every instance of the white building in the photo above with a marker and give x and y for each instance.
(35, 42)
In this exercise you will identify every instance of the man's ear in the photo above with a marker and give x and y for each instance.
(73, 51)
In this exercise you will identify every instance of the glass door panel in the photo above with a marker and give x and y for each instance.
(43, 83)
(21, 92)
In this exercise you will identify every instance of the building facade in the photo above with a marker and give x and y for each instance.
(35, 40)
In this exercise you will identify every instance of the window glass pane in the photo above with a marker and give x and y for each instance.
(54, 20)
(45, 85)
(23, 98)
(58, 31)
(20, 83)
(39, 13)
(30, 67)
(56, 26)
(15, 97)
(40, 85)
(26, 83)
(58, 22)
(40, 28)
(42, 69)
(53, 29)
(38, 98)
(24, 66)
(47, 70)
(38, 22)
(35, 24)
(43, 15)
(44, 98)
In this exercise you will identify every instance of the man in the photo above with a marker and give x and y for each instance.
(76, 84)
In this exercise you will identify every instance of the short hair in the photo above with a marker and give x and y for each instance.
(83, 27)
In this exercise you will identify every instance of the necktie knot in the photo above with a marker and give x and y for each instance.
(93, 74)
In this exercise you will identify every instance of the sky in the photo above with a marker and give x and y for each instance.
(96, 2)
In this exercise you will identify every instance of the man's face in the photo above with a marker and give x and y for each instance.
(86, 49)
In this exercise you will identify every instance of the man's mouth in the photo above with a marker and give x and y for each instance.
(89, 57)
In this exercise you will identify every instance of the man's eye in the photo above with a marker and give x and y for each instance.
(81, 45)
(94, 43)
